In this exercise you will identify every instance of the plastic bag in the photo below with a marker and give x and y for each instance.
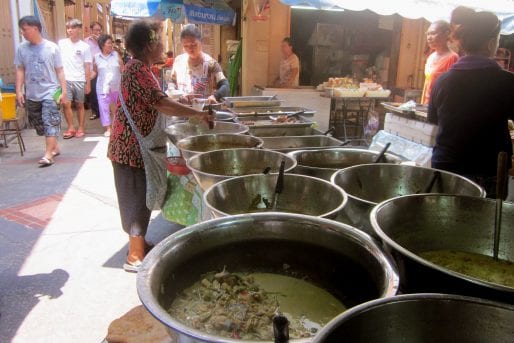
(183, 203)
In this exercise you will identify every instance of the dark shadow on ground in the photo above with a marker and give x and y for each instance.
(158, 229)
(20, 294)
(22, 182)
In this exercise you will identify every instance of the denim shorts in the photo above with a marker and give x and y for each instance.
(75, 91)
(45, 117)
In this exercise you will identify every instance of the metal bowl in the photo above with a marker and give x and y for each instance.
(197, 144)
(369, 184)
(427, 318)
(334, 256)
(413, 224)
(224, 116)
(292, 143)
(215, 166)
(301, 194)
(182, 130)
(324, 163)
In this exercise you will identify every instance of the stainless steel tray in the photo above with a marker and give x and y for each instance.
(292, 143)
(281, 131)
(274, 110)
(252, 101)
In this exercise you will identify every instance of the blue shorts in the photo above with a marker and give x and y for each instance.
(45, 117)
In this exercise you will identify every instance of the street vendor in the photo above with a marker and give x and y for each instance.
(195, 72)
(137, 133)
(441, 59)
(289, 76)
(472, 103)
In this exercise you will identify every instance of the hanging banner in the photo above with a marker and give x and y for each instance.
(215, 12)
(134, 8)
(209, 12)
(172, 9)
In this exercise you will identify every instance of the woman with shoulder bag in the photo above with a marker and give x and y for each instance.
(138, 141)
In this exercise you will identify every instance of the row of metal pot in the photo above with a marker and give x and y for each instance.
(375, 257)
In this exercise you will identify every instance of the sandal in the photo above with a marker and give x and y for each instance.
(45, 162)
(80, 134)
(132, 267)
(55, 153)
(69, 134)
(94, 116)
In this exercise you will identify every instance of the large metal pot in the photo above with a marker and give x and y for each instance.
(427, 318)
(324, 163)
(369, 184)
(182, 130)
(413, 224)
(195, 145)
(215, 166)
(254, 193)
(292, 143)
(334, 256)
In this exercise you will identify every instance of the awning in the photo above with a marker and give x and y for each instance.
(196, 11)
(431, 10)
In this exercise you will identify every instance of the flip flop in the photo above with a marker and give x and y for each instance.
(54, 154)
(132, 267)
(69, 134)
(80, 134)
(45, 162)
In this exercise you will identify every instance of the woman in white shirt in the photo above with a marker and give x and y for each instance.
(107, 65)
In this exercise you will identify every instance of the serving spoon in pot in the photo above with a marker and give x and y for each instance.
(501, 185)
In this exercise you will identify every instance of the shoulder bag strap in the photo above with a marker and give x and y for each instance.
(129, 118)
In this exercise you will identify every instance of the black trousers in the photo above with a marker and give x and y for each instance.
(92, 99)
(130, 185)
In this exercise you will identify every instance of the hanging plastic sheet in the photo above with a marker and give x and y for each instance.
(413, 9)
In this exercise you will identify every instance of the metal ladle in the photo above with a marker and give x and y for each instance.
(382, 153)
(501, 183)
(280, 329)
(279, 187)
(289, 115)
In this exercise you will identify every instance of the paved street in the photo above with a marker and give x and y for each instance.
(61, 245)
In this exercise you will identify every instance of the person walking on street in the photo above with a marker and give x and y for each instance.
(136, 122)
(76, 59)
(39, 70)
(107, 65)
(96, 30)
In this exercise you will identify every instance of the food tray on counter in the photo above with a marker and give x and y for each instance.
(281, 131)
(260, 124)
(270, 111)
(252, 101)
(292, 143)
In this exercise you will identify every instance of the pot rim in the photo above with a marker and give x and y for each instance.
(409, 254)
(370, 305)
(293, 154)
(152, 259)
(391, 165)
(197, 156)
(188, 140)
(333, 212)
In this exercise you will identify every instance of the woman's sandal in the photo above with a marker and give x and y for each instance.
(80, 134)
(69, 134)
(132, 267)
(45, 162)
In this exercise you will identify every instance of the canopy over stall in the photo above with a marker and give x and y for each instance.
(413, 9)
(196, 11)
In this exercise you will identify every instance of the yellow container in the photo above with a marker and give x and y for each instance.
(8, 106)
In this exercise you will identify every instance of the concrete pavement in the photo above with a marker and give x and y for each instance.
(61, 245)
